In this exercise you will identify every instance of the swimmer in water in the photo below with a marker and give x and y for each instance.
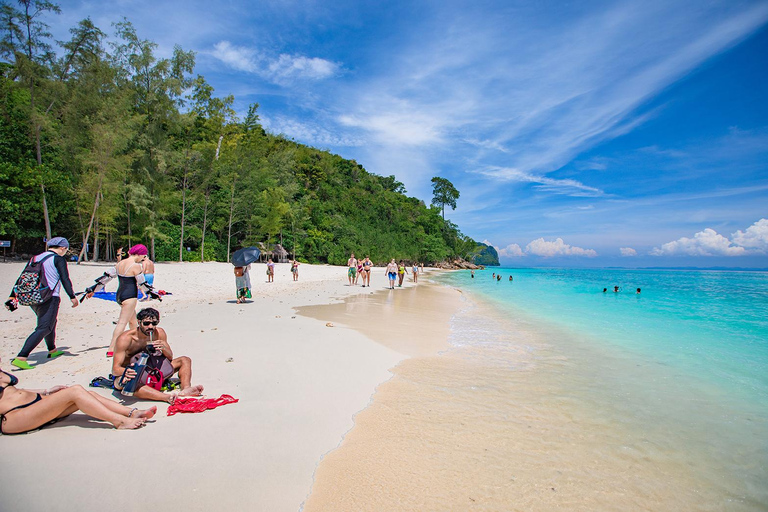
(638, 291)
(615, 289)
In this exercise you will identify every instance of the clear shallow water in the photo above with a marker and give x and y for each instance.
(710, 324)
(676, 376)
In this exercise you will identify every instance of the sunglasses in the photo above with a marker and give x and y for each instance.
(147, 324)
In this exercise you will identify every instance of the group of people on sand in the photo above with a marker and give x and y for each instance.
(25, 410)
(394, 271)
(243, 278)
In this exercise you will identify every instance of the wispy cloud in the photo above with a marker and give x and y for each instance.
(627, 251)
(310, 132)
(557, 186)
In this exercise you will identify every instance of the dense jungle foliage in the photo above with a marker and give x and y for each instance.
(109, 145)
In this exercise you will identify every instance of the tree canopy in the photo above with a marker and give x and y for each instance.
(444, 194)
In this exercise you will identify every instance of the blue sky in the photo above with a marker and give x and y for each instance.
(593, 133)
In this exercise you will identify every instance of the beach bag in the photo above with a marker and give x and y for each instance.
(157, 370)
(238, 271)
(31, 287)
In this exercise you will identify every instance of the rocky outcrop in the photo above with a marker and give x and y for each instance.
(459, 264)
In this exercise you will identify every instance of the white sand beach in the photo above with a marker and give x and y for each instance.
(299, 383)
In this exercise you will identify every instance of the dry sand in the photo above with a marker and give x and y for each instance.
(299, 383)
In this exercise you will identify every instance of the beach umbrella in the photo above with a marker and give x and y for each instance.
(245, 256)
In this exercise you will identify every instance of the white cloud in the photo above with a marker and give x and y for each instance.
(628, 251)
(704, 243)
(237, 57)
(297, 66)
(511, 251)
(755, 237)
(284, 68)
(541, 247)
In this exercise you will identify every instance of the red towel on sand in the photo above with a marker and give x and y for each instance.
(199, 404)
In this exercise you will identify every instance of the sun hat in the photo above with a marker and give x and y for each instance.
(58, 241)
(138, 250)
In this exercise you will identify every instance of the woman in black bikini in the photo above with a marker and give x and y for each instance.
(23, 410)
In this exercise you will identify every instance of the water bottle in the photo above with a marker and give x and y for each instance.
(138, 367)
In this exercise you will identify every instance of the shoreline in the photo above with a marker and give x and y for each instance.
(505, 418)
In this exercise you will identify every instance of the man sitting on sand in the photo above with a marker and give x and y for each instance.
(148, 337)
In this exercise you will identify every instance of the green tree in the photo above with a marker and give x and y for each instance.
(444, 193)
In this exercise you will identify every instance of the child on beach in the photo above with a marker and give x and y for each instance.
(270, 271)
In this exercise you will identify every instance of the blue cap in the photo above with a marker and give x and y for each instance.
(58, 241)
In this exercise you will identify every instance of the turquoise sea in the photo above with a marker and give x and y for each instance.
(683, 365)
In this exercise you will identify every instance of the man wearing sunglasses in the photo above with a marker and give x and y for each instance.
(148, 337)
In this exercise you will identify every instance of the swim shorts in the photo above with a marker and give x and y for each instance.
(393, 275)
(352, 272)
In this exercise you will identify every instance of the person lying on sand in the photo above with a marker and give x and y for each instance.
(22, 410)
(150, 338)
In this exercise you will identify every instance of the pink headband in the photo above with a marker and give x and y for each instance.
(138, 250)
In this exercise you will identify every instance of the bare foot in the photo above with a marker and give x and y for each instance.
(131, 423)
(192, 391)
(148, 413)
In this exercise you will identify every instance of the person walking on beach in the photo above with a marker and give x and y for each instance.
(367, 264)
(56, 274)
(23, 410)
(401, 271)
(359, 270)
(392, 273)
(295, 270)
(415, 271)
(351, 268)
(243, 283)
(270, 271)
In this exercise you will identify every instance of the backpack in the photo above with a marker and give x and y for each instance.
(31, 287)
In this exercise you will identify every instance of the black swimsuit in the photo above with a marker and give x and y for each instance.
(13, 381)
(126, 288)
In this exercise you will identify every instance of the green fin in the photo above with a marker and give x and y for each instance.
(18, 363)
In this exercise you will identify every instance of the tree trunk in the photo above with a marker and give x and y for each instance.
(183, 205)
(231, 215)
(90, 224)
(96, 242)
(127, 208)
(205, 224)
